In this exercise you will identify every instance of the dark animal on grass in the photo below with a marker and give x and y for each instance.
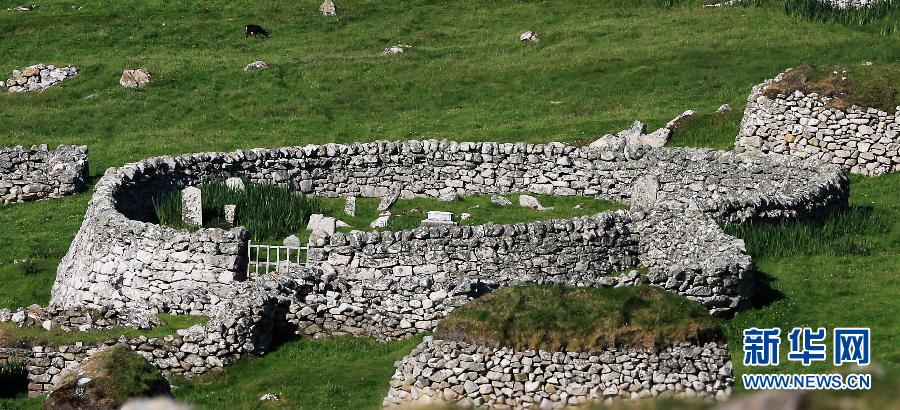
(254, 30)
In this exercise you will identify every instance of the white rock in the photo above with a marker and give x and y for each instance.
(529, 201)
(529, 36)
(327, 8)
(192, 206)
(135, 78)
(322, 223)
(235, 184)
(292, 241)
(381, 221)
(256, 65)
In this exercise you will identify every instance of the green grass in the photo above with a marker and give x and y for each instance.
(27, 336)
(40, 232)
(709, 130)
(339, 373)
(579, 319)
(813, 283)
(856, 231)
(883, 14)
(599, 66)
(269, 212)
(408, 213)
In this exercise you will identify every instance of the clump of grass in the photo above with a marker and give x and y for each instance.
(824, 11)
(167, 208)
(29, 267)
(849, 232)
(579, 319)
(268, 211)
(116, 374)
(866, 86)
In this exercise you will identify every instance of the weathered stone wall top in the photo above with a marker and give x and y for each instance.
(29, 174)
(462, 374)
(859, 140)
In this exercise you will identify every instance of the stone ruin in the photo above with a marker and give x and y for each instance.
(29, 174)
(397, 284)
(38, 77)
(860, 140)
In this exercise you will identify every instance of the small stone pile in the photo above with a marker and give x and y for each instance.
(398, 49)
(30, 174)
(256, 65)
(853, 4)
(38, 77)
(633, 137)
(80, 319)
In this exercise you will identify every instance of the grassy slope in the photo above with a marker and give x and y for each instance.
(597, 68)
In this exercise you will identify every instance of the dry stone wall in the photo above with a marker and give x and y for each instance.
(119, 258)
(29, 174)
(458, 373)
(242, 321)
(860, 140)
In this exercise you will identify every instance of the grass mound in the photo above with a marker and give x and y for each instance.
(116, 375)
(866, 86)
(269, 212)
(579, 319)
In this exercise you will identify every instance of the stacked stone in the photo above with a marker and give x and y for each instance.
(117, 259)
(38, 77)
(860, 140)
(687, 253)
(29, 174)
(462, 374)
(242, 322)
(80, 319)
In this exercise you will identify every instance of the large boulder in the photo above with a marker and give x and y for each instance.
(107, 380)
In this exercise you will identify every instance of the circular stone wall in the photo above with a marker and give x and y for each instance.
(860, 140)
(117, 259)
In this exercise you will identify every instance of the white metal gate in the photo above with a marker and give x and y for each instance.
(263, 259)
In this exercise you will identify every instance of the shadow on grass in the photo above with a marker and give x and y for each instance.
(762, 291)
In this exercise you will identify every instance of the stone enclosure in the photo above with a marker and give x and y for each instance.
(29, 174)
(466, 375)
(396, 284)
(860, 140)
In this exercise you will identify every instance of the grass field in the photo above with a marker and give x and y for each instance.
(599, 66)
